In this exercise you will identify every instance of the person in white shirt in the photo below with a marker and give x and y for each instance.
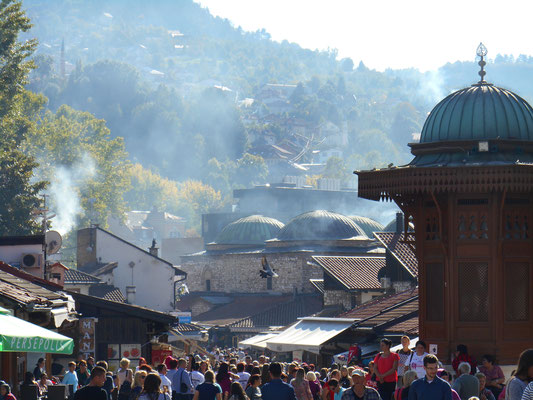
(197, 378)
(415, 361)
(243, 376)
(162, 370)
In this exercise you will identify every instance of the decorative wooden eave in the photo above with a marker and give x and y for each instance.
(398, 182)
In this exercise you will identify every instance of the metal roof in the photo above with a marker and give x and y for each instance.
(320, 225)
(255, 229)
(367, 224)
(479, 112)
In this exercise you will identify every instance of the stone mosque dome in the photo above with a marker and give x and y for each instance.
(479, 112)
(320, 225)
(368, 225)
(255, 229)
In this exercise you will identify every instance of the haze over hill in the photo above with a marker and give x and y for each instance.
(204, 107)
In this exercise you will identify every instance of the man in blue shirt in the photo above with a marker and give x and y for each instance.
(181, 382)
(276, 389)
(430, 387)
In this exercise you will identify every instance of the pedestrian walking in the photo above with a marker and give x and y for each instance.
(152, 388)
(209, 390)
(94, 389)
(522, 376)
(430, 387)
(404, 353)
(386, 369)
(466, 385)
(302, 391)
(359, 390)
(276, 389)
(416, 359)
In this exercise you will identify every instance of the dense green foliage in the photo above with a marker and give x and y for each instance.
(18, 190)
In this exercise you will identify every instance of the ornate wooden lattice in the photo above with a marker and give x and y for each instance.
(432, 229)
(473, 292)
(472, 219)
(516, 219)
(435, 292)
(516, 291)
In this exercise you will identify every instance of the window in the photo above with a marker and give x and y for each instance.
(208, 285)
(435, 292)
(473, 292)
(516, 291)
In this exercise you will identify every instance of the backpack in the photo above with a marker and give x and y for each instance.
(125, 389)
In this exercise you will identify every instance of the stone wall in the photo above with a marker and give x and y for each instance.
(338, 297)
(344, 298)
(239, 273)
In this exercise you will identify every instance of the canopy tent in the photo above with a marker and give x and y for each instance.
(258, 341)
(19, 335)
(309, 334)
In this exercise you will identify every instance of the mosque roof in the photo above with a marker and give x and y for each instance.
(255, 229)
(479, 112)
(368, 225)
(320, 225)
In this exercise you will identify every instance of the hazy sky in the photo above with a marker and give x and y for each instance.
(390, 33)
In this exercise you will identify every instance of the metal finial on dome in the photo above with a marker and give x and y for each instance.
(482, 52)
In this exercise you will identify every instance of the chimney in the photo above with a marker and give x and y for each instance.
(130, 294)
(154, 250)
(399, 223)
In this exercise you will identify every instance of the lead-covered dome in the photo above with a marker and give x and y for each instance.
(320, 225)
(255, 229)
(368, 225)
(479, 112)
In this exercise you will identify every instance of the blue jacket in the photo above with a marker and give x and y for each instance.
(276, 389)
(437, 389)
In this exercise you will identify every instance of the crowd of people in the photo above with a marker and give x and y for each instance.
(233, 375)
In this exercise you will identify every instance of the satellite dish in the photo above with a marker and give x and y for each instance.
(53, 242)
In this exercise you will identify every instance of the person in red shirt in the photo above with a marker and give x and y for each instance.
(386, 369)
(461, 355)
(370, 377)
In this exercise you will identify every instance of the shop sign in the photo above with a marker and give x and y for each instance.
(87, 335)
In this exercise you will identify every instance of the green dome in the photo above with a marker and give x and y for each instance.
(368, 225)
(392, 227)
(481, 111)
(320, 225)
(254, 229)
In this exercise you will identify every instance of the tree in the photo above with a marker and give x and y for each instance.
(88, 170)
(336, 169)
(18, 189)
(347, 64)
(251, 170)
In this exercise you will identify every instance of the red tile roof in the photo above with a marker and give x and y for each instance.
(407, 327)
(240, 307)
(391, 313)
(318, 284)
(353, 272)
(280, 315)
(395, 243)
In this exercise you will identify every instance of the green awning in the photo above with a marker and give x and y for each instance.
(19, 335)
